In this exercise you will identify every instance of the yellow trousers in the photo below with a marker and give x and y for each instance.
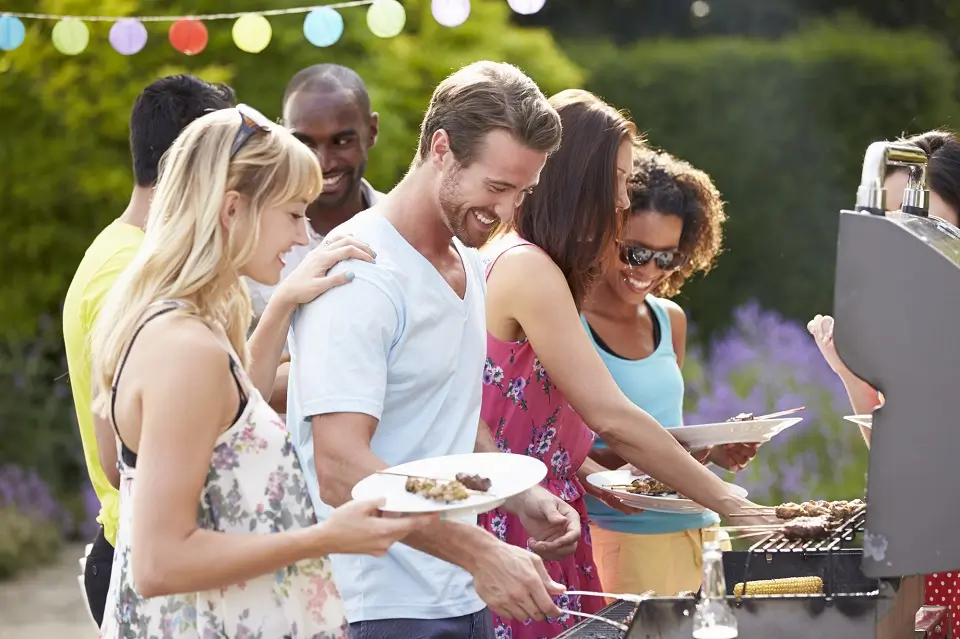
(666, 563)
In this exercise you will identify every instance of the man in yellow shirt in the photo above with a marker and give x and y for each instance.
(159, 114)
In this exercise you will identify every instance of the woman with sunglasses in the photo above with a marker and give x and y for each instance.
(673, 230)
(217, 536)
(544, 382)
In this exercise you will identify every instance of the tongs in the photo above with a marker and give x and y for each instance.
(622, 596)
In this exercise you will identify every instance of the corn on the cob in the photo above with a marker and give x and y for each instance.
(789, 586)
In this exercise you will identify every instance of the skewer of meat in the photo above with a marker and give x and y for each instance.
(445, 491)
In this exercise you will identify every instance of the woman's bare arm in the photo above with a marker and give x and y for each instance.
(107, 448)
(188, 399)
(528, 288)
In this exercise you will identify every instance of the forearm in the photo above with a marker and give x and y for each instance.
(606, 458)
(863, 397)
(266, 345)
(278, 401)
(207, 560)
(589, 467)
(485, 441)
(452, 541)
(644, 443)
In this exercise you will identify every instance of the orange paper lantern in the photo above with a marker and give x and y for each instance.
(188, 36)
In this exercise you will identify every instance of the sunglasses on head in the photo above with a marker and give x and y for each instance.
(251, 121)
(636, 256)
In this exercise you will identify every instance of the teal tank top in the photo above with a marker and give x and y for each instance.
(655, 384)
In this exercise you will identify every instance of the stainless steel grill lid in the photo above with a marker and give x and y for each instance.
(897, 310)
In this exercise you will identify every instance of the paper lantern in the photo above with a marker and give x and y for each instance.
(526, 7)
(12, 33)
(386, 18)
(252, 33)
(128, 36)
(70, 36)
(450, 13)
(188, 36)
(322, 27)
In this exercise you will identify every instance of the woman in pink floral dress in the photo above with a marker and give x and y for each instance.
(544, 382)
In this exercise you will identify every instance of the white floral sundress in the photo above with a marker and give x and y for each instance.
(254, 485)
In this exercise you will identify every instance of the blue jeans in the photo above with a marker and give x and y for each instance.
(476, 626)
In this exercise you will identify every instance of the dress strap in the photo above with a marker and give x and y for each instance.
(508, 243)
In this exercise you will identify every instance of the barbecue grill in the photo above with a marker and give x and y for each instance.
(896, 298)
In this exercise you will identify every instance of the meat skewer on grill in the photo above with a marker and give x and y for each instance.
(838, 509)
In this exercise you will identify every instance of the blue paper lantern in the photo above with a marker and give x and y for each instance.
(12, 33)
(322, 27)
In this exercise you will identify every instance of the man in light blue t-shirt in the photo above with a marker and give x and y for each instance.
(388, 370)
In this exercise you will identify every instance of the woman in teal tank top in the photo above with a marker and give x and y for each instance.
(673, 231)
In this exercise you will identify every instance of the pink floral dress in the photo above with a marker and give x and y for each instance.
(529, 415)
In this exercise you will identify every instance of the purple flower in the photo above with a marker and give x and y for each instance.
(765, 363)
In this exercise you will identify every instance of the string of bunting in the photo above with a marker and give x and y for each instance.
(322, 26)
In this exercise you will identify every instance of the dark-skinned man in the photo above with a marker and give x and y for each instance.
(328, 109)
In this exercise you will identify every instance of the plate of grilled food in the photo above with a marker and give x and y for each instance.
(455, 484)
(643, 491)
(861, 420)
(745, 428)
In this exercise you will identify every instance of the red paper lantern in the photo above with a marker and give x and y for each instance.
(188, 36)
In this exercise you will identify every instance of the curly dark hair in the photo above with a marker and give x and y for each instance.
(667, 185)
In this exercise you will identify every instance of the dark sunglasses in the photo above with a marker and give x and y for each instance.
(251, 121)
(637, 256)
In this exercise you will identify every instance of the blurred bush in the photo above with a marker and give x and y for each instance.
(782, 127)
(763, 364)
(32, 522)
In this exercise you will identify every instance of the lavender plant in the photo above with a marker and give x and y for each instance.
(765, 363)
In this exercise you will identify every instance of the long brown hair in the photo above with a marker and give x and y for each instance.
(572, 214)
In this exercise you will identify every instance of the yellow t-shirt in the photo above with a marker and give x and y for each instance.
(102, 264)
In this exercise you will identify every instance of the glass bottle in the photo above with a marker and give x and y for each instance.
(713, 618)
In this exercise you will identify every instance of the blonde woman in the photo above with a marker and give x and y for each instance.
(217, 536)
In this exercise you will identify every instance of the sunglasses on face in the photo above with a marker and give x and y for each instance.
(251, 121)
(636, 256)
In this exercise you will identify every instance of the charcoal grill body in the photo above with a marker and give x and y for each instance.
(896, 302)
(852, 613)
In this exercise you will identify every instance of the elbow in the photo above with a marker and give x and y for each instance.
(609, 421)
(151, 574)
(334, 491)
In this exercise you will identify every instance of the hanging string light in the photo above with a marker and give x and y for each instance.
(252, 32)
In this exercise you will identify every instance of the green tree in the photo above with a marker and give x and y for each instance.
(63, 120)
(782, 127)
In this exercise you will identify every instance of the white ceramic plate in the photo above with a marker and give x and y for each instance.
(861, 420)
(509, 475)
(756, 431)
(671, 504)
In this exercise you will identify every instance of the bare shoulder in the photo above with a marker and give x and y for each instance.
(526, 268)
(674, 311)
(181, 349)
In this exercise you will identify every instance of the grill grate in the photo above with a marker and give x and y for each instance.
(845, 533)
(621, 611)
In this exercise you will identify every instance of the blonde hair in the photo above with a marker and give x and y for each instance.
(187, 254)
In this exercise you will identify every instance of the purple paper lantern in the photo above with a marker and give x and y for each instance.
(128, 36)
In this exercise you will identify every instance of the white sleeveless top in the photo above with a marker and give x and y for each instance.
(254, 485)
